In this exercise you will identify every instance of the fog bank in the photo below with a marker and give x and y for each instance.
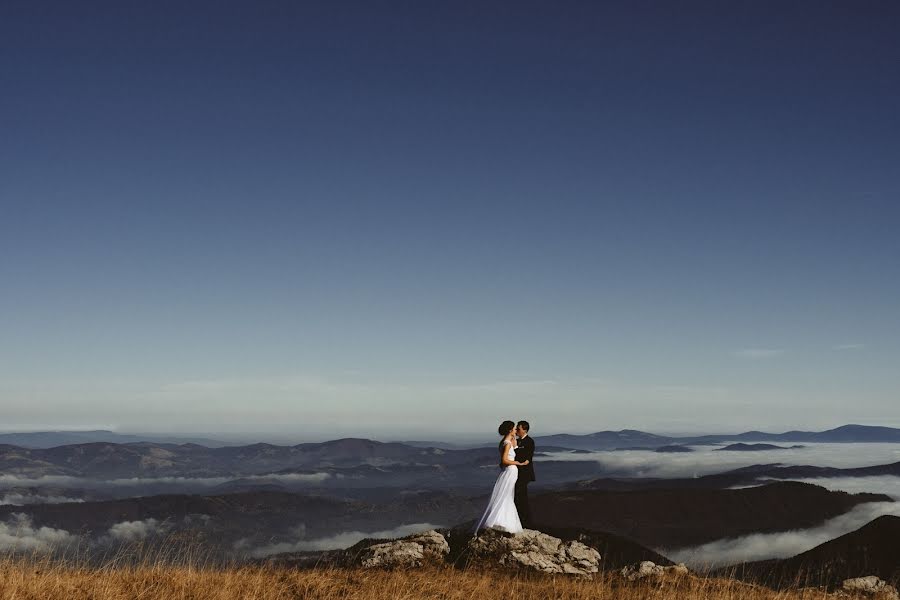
(762, 546)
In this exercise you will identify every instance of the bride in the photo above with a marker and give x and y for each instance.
(501, 509)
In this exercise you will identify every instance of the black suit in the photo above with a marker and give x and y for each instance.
(524, 452)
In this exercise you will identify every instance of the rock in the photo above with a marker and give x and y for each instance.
(392, 555)
(650, 569)
(411, 551)
(532, 550)
(870, 585)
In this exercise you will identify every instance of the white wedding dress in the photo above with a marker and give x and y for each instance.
(501, 509)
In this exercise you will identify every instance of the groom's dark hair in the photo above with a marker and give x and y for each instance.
(506, 427)
(524, 425)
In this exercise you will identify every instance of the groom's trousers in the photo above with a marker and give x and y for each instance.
(521, 500)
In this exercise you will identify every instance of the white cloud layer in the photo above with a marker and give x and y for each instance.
(19, 535)
(11, 481)
(64, 481)
(214, 481)
(133, 531)
(23, 499)
(334, 542)
(705, 460)
(762, 546)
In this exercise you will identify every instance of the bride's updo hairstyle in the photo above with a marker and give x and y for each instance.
(506, 427)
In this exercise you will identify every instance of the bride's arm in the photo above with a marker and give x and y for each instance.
(504, 457)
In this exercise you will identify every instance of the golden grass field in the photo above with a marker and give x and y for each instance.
(41, 579)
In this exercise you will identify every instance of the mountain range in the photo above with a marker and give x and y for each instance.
(123, 470)
(744, 476)
(601, 440)
(145, 468)
(632, 439)
(50, 439)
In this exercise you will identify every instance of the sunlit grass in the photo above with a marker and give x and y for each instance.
(160, 577)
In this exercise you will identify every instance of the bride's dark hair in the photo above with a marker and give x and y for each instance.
(506, 427)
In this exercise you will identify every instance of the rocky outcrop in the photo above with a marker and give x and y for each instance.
(870, 586)
(411, 551)
(532, 550)
(617, 551)
(646, 569)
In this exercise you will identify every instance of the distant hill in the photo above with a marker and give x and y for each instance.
(741, 447)
(146, 459)
(50, 439)
(604, 440)
(673, 449)
(146, 469)
(843, 434)
(661, 518)
(629, 438)
(601, 440)
(445, 445)
(159, 468)
(743, 476)
(870, 550)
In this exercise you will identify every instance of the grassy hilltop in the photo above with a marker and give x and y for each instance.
(43, 580)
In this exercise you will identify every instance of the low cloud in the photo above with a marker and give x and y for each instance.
(197, 519)
(706, 460)
(334, 542)
(762, 546)
(18, 534)
(133, 531)
(23, 499)
(172, 481)
(13, 481)
(214, 481)
(65, 481)
(296, 477)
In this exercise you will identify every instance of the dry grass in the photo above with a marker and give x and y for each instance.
(43, 579)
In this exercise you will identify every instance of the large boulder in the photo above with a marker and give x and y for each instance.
(532, 550)
(412, 551)
(646, 569)
(870, 586)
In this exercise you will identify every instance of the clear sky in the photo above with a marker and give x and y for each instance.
(419, 218)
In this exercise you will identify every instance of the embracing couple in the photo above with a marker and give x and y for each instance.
(508, 507)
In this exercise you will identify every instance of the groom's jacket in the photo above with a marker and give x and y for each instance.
(524, 452)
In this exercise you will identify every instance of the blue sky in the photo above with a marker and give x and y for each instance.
(395, 218)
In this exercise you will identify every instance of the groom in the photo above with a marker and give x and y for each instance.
(524, 452)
